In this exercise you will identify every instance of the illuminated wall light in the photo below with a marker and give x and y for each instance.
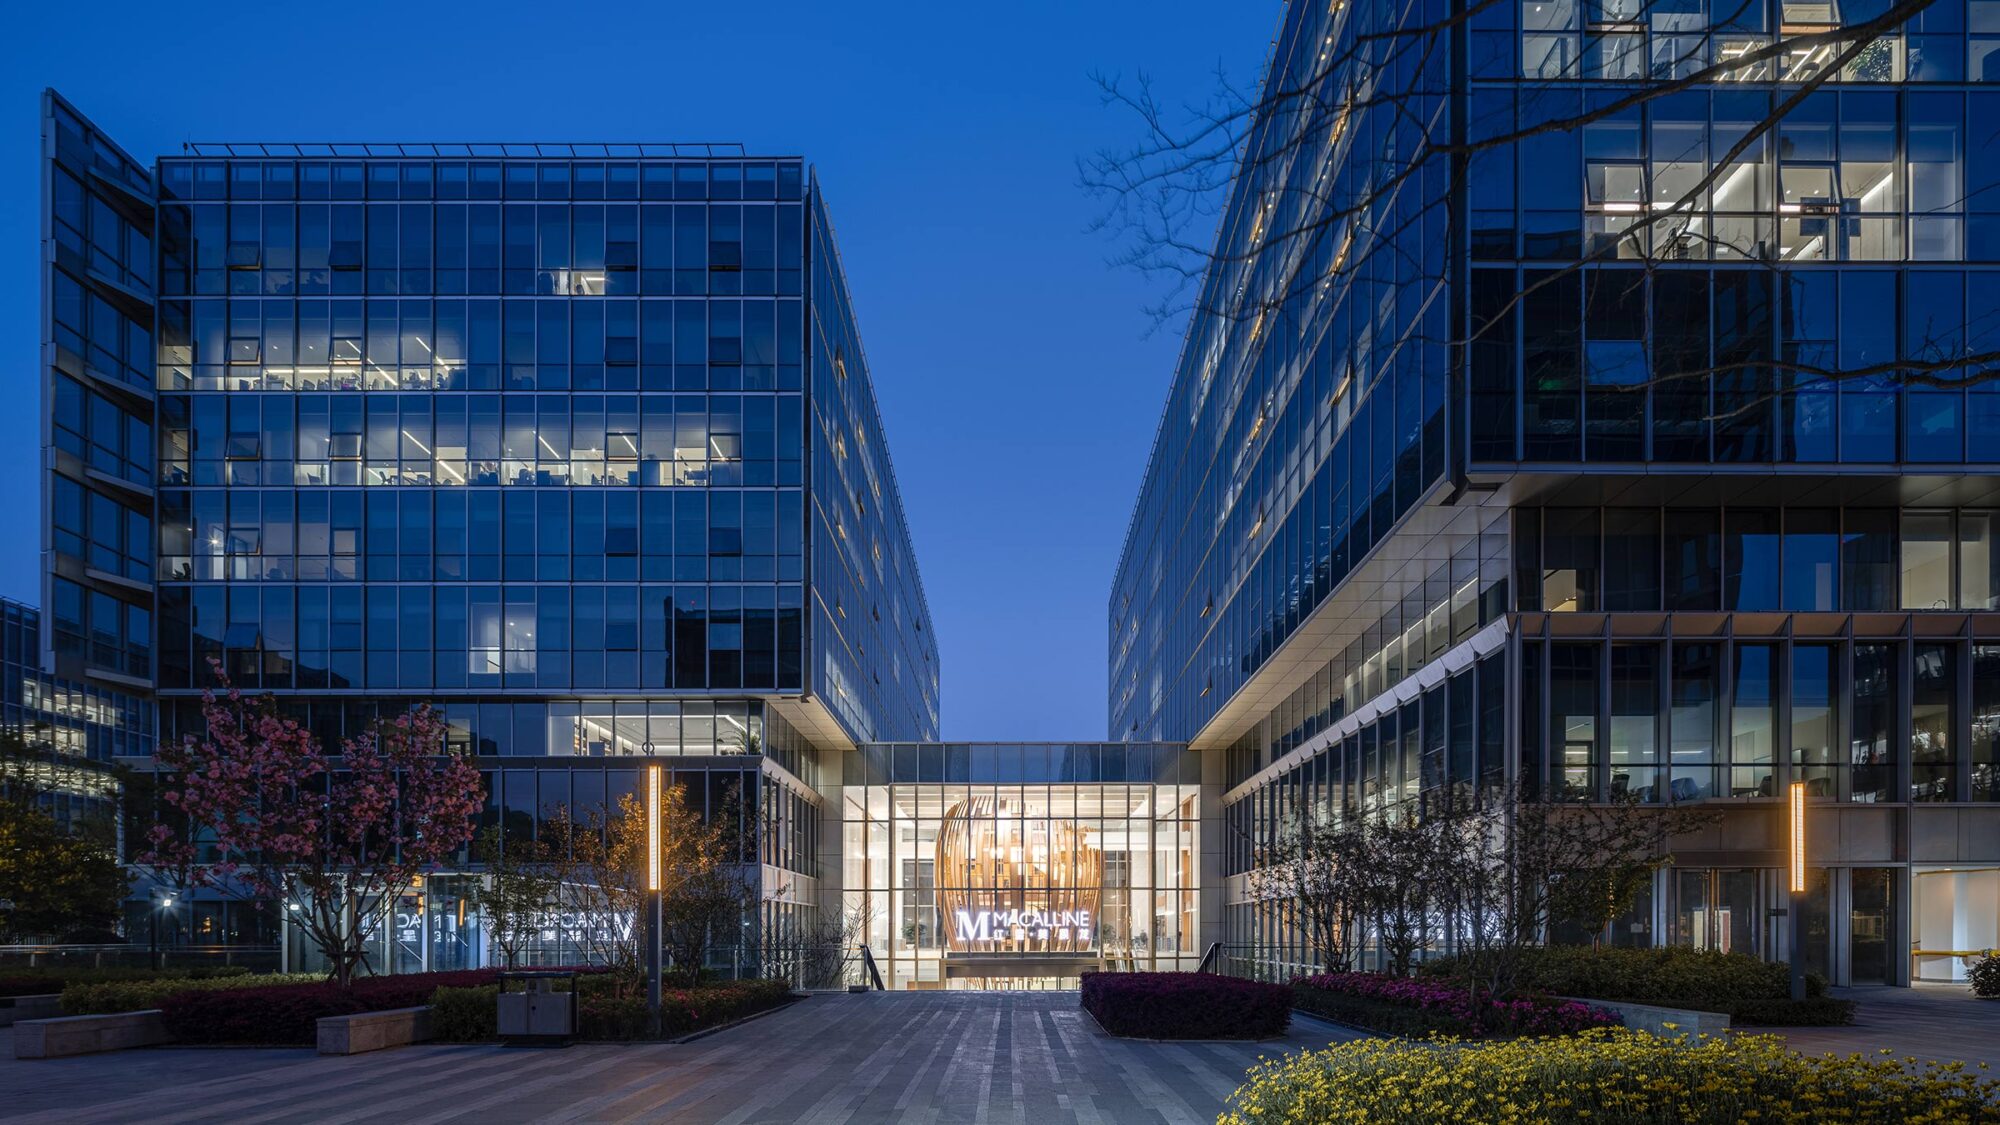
(652, 828)
(1798, 837)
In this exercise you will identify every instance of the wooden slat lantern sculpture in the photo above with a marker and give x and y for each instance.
(1016, 886)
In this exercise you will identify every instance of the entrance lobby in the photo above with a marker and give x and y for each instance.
(1022, 866)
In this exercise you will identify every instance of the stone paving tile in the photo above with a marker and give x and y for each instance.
(1944, 1023)
(945, 1058)
(930, 1058)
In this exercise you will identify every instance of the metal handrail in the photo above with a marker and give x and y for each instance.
(874, 974)
(1209, 958)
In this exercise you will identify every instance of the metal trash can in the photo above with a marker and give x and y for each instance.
(537, 1013)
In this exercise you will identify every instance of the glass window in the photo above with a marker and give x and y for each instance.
(1753, 724)
(1933, 685)
(1694, 559)
(1570, 556)
(1750, 549)
(1812, 551)
(1978, 564)
(1692, 721)
(1573, 708)
(1635, 721)
(1927, 560)
(1631, 559)
(1872, 739)
(1868, 559)
(1985, 723)
(1814, 673)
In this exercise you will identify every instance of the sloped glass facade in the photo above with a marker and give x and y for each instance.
(1703, 505)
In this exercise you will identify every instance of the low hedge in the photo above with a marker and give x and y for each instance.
(90, 999)
(468, 1015)
(1186, 1005)
(465, 1015)
(682, 1010)
(37, 980)
(1673, 977)
(1419, 1008)
(288, 1014)
(1608, 1077)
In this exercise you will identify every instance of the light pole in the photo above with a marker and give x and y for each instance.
(165, 903)
(652, 935)
(1798, 888)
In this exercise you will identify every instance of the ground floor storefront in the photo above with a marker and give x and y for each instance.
(1021, 867)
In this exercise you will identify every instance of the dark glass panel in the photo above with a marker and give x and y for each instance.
(1750, 556)
(1693, 559)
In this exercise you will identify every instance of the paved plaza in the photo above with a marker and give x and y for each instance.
(1028, 1058)
(1942, 1023)
(1031, 1058)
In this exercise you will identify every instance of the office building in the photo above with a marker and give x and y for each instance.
(576, 442)
(1575, 457)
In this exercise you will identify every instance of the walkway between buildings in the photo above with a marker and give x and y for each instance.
(1944, 1023)
(1028, 1058)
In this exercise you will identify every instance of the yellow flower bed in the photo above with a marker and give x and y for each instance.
(1611, 1076)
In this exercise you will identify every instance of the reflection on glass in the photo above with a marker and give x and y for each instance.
(1573, 705)
(1692, 722)
(1926, 560)
(1933, 684)
(1813, 719)
(960, 877)
(1634, 727)
(1752, 724)
(1873, 738)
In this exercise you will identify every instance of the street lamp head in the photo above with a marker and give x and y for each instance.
(652, 828)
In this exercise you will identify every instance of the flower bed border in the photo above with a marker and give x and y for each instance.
(1171, 1001)
(1412, 1008)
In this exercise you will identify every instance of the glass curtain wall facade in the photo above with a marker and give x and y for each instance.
(576, 442)
(1635, 451)
(69, 734)
(1023, 866)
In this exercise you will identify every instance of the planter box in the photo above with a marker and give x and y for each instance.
(374, 1031)
(14, 1009)
(1650, 1017)
(88, 1035)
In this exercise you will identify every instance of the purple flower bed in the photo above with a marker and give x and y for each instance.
(1186, 1005)
(1413, 1007)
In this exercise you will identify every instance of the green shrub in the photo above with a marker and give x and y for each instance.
(465, 1015)
(1671, 977)
(139, 995)
(39, 980)
(1606, 1077)
(1985, 976)
(284, 1014)
(682, 1010)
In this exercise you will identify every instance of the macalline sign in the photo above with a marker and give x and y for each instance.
(1015, 925)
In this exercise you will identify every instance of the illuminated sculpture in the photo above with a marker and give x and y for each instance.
(1009, 885)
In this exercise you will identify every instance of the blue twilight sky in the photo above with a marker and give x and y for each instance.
(1019, 376)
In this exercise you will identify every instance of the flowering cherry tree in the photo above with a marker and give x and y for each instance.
(333, 837)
